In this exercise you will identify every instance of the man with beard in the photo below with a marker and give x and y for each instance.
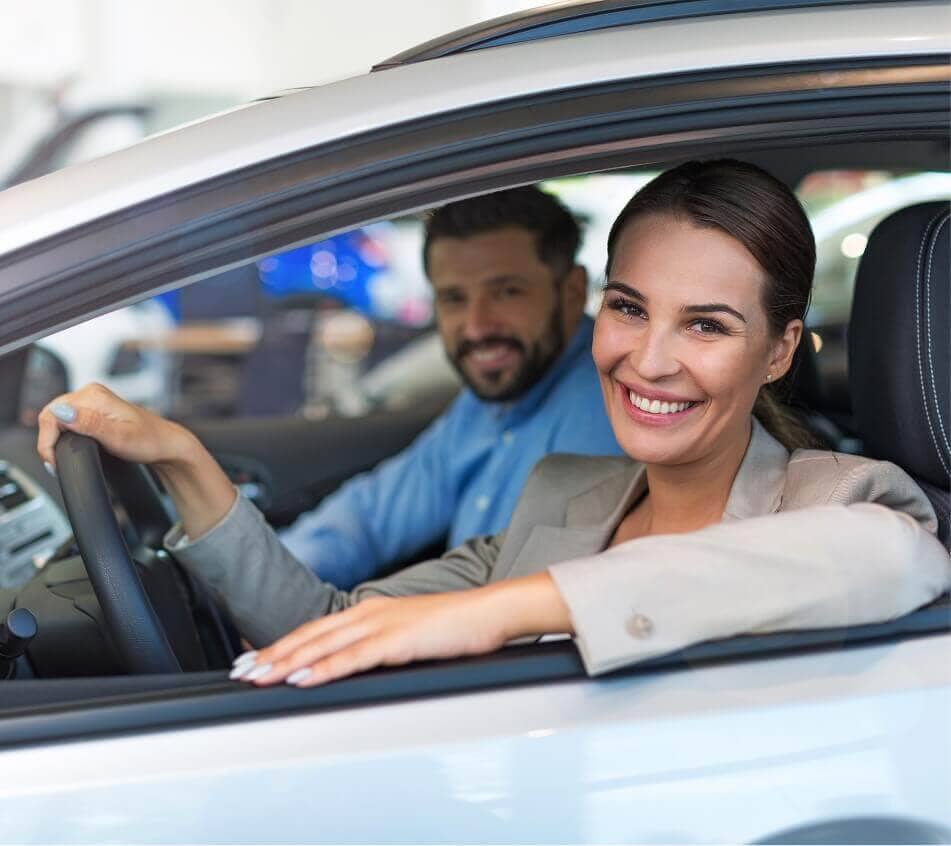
(509, 302)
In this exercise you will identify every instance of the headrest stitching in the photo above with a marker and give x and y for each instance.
(919, 361)
(930, 345)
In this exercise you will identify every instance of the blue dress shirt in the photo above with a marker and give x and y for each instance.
(461, 476)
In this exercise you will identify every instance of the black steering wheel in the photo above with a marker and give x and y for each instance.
(137, 632)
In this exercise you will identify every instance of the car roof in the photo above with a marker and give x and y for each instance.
(272, 129)
(575, 16)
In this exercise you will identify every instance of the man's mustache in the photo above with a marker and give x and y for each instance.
(466, 347)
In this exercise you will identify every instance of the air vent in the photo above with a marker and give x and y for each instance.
(11, 494)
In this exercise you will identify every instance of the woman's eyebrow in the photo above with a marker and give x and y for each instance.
(709, 307)
(704, 308)
(625, 289)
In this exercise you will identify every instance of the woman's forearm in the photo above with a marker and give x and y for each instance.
(200, 490)
(530, 605)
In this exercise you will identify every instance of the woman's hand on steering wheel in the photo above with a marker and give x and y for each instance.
(199, 488)
(127, 431)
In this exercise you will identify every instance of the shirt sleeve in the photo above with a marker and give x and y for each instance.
(824, 566)
(386, 515)
(267, 592)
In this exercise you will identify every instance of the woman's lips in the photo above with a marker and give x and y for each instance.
(654, 412)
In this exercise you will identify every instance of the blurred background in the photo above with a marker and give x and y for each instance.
(339, 327)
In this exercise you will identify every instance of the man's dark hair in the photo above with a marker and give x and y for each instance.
(556, 231)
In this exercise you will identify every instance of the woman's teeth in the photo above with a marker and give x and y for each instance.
(656, 406)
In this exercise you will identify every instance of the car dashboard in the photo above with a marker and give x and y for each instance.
(32, 526)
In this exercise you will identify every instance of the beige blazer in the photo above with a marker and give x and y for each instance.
(811, 539)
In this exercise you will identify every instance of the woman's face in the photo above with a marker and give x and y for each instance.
(682, 344)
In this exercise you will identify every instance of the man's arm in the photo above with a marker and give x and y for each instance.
(378, 518)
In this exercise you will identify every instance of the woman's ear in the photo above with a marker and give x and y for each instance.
(783, 350)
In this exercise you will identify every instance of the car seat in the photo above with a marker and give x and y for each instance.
(900, 349)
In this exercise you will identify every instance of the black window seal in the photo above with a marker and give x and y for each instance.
(223, 223)
(572, 19)
(189, 700)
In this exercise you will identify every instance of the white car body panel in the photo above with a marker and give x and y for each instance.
(711, 754)
(267, 130)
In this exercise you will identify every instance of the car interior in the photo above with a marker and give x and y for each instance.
(132, 620)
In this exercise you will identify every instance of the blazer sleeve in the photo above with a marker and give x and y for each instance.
(844, 562)
(268, 592)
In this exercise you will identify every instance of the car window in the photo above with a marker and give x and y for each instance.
(844, 206)
(342, 326)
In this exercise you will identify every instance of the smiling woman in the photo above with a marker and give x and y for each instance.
(709, 274)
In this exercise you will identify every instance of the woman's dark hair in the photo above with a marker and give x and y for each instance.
(762, 214)
(555, 230)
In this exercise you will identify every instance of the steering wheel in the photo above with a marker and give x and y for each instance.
(135, 627)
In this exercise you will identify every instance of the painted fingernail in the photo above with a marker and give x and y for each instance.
(298, 676)
(245, 658)
(50, 469)
(63, 411)
(239, 671)
(256, 673)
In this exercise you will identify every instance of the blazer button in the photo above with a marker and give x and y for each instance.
(639, 626)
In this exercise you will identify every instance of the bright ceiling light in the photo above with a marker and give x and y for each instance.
(853, 245)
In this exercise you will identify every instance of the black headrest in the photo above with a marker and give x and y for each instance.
(900, 343)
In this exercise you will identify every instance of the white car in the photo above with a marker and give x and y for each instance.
(821, 736)
(121, 350)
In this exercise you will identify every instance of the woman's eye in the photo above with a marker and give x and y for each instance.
(709, 327)
(625, 307)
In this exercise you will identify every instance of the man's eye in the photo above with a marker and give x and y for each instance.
(450, 300)
(510, 291)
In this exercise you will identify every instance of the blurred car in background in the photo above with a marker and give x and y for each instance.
(121, 350)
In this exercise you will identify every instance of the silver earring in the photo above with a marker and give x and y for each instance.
(769, 377)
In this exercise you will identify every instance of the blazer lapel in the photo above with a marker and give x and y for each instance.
(758, 486)
(590, 519)
(592, 516)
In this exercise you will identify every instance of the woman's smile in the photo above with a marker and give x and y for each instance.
(654, 408)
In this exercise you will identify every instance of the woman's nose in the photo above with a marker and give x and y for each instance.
(656, 357)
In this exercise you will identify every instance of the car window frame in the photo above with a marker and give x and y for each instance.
(156, 703)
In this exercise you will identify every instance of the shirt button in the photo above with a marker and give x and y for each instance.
(482, 503)
(507, 438)
(639, 626)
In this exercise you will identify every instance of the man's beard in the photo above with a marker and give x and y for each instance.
(534, 365)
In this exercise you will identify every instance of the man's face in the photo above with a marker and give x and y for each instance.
(500, 310)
